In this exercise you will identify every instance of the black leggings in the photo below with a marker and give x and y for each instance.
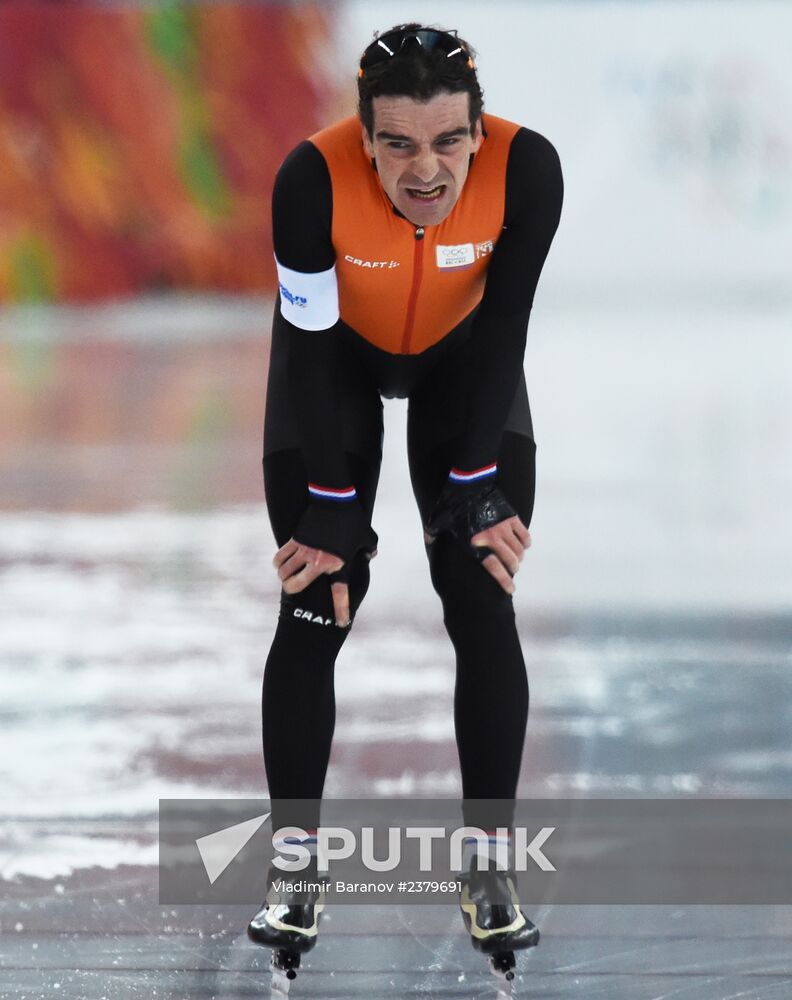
(491, 693)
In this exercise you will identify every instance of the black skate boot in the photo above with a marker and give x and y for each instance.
(288, 921)
(493, 917)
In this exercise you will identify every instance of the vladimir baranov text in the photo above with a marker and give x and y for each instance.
(334, 885)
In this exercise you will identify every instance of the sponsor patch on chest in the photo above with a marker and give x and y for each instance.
(462, 254)
(359, 262)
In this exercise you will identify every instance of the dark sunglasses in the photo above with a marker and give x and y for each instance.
(392, 42)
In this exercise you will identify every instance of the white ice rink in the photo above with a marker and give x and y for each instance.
(133, 642)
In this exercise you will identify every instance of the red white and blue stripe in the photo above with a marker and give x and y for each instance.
(309, 838)
(459, 476)
(331, 493)
(309, 841)
(496, 846)
(501, 836)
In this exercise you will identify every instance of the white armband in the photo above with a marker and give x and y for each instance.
(309, 301)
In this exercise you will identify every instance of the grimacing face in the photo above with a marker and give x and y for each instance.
(422, 150)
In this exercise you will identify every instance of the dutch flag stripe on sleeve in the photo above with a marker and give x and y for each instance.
(458, 476)
(329, 493)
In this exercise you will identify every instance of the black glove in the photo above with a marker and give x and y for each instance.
(338, 527)
(465, 509)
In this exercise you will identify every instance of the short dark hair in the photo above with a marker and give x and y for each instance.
(421, 74)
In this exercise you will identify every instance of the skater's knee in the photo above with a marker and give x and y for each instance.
(314, 605)
(464, 586)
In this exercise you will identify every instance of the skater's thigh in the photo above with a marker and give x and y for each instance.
(436, 425)
(358, 406)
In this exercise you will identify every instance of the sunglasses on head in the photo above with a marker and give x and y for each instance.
(392, 42)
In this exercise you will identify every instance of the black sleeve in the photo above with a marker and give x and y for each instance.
(534, 194)
(302, 211)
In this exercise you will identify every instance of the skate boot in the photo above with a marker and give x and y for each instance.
(496, 924)
(288, 922)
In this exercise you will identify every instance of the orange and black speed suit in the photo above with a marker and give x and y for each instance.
(371, 305)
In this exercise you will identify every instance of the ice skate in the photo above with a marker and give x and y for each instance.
(496, 923)
(288, 922)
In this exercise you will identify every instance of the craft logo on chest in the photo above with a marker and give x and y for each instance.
(380, 264)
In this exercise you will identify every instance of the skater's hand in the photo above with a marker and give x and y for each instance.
(508, 541)
(299, 565)
(480, 516)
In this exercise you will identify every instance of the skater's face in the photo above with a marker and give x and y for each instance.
(422, 151)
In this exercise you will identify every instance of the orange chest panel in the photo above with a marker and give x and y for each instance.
(401, 293)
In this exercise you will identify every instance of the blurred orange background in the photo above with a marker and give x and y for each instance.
(138, 149)
(138, 145)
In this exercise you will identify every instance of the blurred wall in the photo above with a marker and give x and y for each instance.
(660, 343)
(138, 143)
(673, 120)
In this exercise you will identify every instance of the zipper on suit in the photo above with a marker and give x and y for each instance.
(409, 321)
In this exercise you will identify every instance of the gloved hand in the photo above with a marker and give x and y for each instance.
(480, 516)
(465, 509)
